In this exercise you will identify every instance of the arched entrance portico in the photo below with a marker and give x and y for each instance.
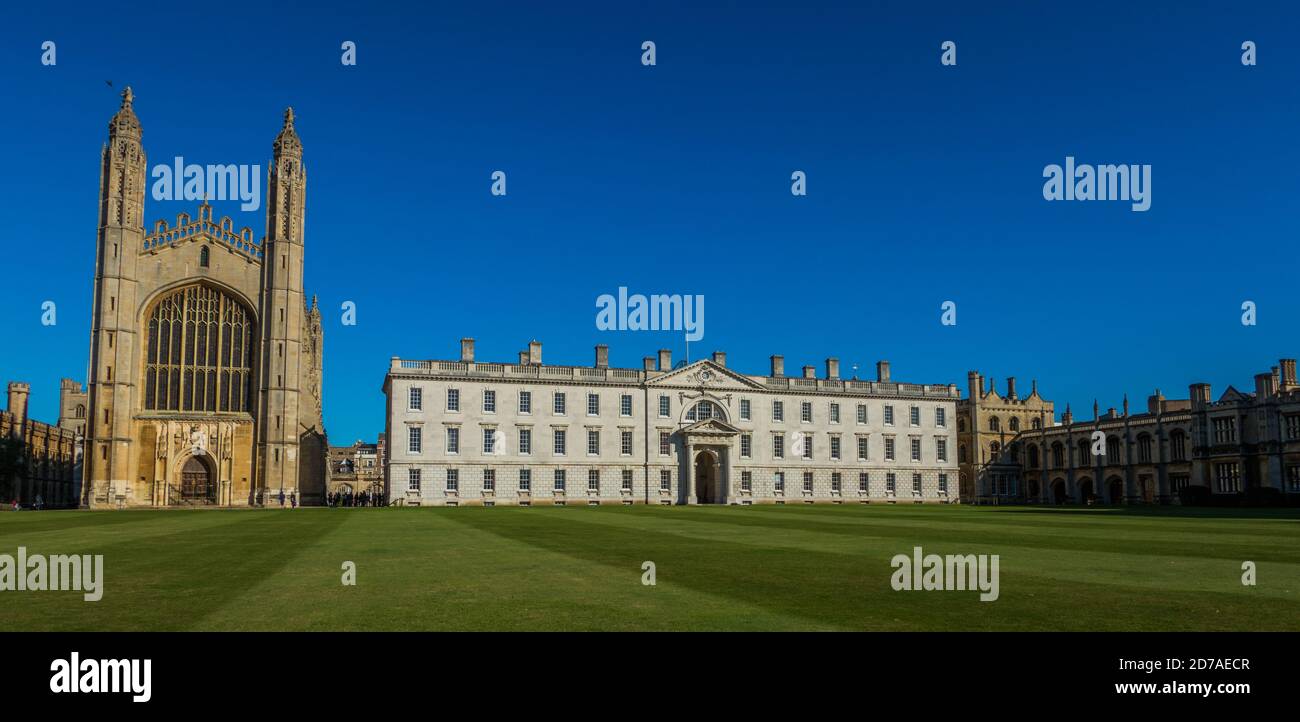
(708, 470)
(707, 466)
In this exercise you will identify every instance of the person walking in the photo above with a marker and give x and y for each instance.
(293, 500)
(281, 498)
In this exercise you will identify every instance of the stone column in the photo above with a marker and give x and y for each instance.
(725, 481)
(1071, 486)
(1130, 475)
(690, 472)
(720, 492)
(1045, 476)
(1162, 470)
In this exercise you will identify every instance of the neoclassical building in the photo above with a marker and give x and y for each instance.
(1240, 444)
(205, 359)
(466, 432)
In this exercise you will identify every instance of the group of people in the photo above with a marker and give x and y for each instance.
(347, 498)
(37, 505)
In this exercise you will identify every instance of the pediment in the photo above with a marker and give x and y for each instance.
(710, 426)
(705, 375)
(1232, 394)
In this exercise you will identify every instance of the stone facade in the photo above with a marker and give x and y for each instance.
(205, 360)
(73, 405)
(73, 402)
(41, 458)
(357, 468)
(987, 422)
(1240, 443)
(463, 432)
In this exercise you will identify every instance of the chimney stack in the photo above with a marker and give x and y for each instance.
(832, 368)
(809, 372)
(18, 393)
(1288, 374)
(1011, 387)
(882, 372)
(648, 363)
(602, 356)
(467, 350)
(1263, 386)
(778, 366)
(535, 352)
(720, 358)
(665, 359)
(523, 358)
(1200, 395)
(974, 385)
(1156, 403)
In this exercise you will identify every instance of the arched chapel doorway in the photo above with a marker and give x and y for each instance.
(197, 484)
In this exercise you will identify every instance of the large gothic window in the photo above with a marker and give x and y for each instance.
(200, 353)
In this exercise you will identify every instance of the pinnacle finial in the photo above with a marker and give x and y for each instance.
(288, 117)
(127, 97)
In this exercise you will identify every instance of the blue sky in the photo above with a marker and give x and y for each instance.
(924, 181)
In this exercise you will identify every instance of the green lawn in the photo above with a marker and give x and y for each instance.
(579, 568)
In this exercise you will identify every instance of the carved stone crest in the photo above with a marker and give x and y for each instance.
(198, 440)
